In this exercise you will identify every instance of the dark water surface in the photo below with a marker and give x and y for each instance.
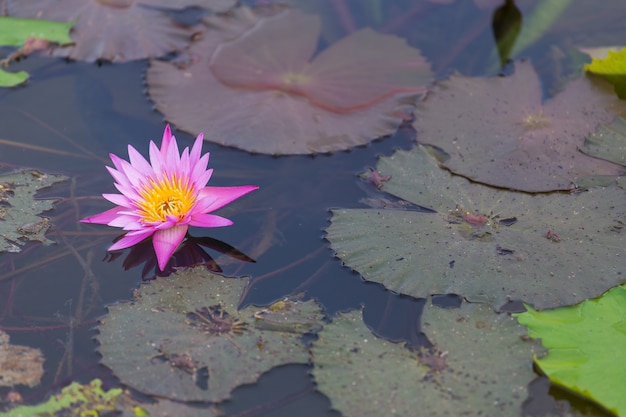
(52, 296)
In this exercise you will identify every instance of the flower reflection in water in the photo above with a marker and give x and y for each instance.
(191, 252)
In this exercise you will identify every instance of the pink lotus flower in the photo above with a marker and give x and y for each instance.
(164, 197)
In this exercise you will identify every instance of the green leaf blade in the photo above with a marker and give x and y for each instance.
(585, 345)
(14, 31)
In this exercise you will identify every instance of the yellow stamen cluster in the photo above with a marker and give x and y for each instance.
(170, 195)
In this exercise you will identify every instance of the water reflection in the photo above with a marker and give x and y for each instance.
(191, 252)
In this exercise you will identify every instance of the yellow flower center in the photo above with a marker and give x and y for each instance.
(170, 196)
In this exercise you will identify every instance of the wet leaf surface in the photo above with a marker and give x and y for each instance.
(19, 209)
(585, 347)
(608, 142)
(479, 366)
(113, 30)
(484, 243)
(498, 131)
(183, 337)
(289, 106)
(19, 364)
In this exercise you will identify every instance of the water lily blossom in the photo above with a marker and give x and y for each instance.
(164, 197)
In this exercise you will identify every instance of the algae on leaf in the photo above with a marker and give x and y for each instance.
(585, 345)
(19, 209)
(92, 400)
(478, 366)
(183, 337)
(483, 243)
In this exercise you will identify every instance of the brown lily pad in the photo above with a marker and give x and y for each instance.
(113, 30)
(260, 92)
(19, 364)
(498, 131)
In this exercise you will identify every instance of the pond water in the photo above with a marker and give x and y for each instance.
(71, 115)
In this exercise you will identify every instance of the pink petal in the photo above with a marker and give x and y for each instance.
(117, 161)
(118, 176)
(166, 242)
(156, 160)
(199, 168)
(119, 199)
(209, 220)
(123, 220)
(128, 191)
(196, 150)
(202, 178)
(170, 154)
(131, 238)
(138, 161)
(105, 217)
(213, 198)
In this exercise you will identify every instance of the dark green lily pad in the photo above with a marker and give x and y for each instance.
(479, 366)
(19, 210)
(608, 142)
(585, 345)
(484, 243)
(498, 131)
(183, 338)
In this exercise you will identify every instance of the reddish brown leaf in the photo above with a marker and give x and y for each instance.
(498, 131)
(275, 101)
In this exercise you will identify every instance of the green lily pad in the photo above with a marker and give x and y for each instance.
(608, 142)
(498, 131)
(585, 345)
(11, 79)
(19, 364)
(484, 243)
(479, 366)
(613, 69)
(14, 31)
(19, 220)
(183, 337)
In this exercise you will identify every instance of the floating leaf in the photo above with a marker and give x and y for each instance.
(14, 31)
(19, 220)
(608, 142)
(344, 98)
(478, 366)
(484, 243)
(11, 79)
(115, 30)
(498, 131)
(585, 345)
(19, 364)
(613, 69)
(183, 337)
(355, 73)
